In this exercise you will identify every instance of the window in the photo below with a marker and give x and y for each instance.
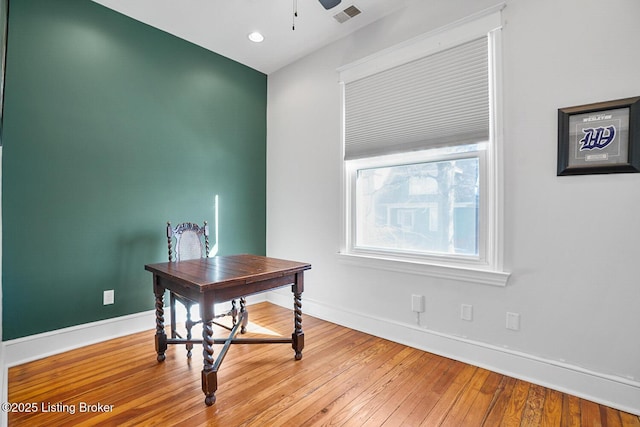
(424, 208)
(421, 144)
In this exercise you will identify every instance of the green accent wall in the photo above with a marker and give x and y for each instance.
(112, 128)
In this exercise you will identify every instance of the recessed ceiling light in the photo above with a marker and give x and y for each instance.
(256, 37)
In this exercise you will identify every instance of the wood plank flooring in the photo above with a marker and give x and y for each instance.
(346, 378)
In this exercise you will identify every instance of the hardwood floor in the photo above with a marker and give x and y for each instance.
(345, 378)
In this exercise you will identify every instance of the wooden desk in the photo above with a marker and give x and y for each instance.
(208, 281)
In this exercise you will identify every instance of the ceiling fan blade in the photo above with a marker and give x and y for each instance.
(328, 4)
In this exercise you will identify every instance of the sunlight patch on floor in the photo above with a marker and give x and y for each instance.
(196, 331)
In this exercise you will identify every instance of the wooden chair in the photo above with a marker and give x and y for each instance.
(191, 242)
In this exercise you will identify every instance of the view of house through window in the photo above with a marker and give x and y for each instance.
(429, 207)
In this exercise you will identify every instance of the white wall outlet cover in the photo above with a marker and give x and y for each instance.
(466, 312)
(108, 297)
(513, 321)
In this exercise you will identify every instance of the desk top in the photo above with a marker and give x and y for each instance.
(224, 271)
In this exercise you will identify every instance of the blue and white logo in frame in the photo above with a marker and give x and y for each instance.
(595, 138)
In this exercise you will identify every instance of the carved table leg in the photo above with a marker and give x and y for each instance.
(298, 335)
(161, 337)
(234, 312)
(188, 325)
(172, 308)
(209, 370)
(244, 315)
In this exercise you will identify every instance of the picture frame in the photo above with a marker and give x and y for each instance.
(599, 138)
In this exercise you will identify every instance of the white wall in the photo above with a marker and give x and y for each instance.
(571, 243)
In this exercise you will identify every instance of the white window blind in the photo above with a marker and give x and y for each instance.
(440, 99)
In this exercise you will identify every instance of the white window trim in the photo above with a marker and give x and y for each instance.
(441, 271)
(490, 270)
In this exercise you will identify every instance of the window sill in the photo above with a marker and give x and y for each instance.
(464, 274)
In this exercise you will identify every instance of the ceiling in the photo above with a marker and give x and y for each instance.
(222, 26)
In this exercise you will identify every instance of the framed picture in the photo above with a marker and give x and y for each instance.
(599, 138)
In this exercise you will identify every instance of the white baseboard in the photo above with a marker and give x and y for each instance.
(616, 392)
(33, 347)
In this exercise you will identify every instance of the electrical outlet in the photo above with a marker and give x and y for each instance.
(513, 321)
(108, 297)
(417, 303)
(466, 312)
